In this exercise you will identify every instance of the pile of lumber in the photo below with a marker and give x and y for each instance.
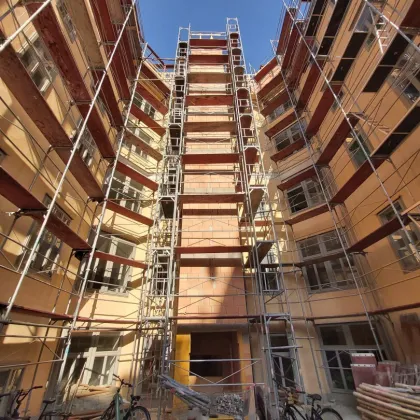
(375, 402)
(85, 399)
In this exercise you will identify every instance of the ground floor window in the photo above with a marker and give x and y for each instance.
(338, 342)
(10, 381)
(92, 360)
(282, 360)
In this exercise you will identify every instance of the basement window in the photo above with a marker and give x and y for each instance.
(334, 274)
(66, 19)
(38, 64)
(402, 247)
(47, 252)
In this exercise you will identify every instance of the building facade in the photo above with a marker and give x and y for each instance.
(182, 216)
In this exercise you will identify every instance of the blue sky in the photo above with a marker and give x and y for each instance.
(258, 20)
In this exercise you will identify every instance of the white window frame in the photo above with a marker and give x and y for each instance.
(66, 19)
(292, 134)
(87, 146)
(348, 348)
(310, 200)
(108, 243)
(11, 384)
(332, 283)
(351, 142)
(90, 355)
(278, 356)
(39, 56)
(33, 232)
(126, 192)
(408, 263)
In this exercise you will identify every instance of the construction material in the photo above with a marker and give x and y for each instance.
(378, 402)
(232, 404)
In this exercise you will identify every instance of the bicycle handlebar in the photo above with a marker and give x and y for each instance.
(122, 381)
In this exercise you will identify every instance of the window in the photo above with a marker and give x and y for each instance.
(338, 342)
(142, 104)
(87, 145)
(280, 110)
(335, 104)
(107, 276)
(326, 275)
(355, 150)
(139, 132)
(92, 360)
(126, 192)
(3, 155)
(305, 195)
(399, 241)
(10, 381)
(39, 65)
(406, 75)
(282, 360)
(48, 249)
(65, 17)
(287, 137)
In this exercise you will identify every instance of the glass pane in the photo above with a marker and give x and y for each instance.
(288, 371)
(96, 374)
(331, 241)
(348, 376)
(333, 335)
(312, 278)
(362, 335)
(345, 359)
(332, 359)
(278, 340)
(80, 344)
(107, 343)
(336, 379)
(4, 375)
(109, 370)
(309, 247)
(297, 199)
(323, 278)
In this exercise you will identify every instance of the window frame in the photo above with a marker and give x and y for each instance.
(288, 134)
(90, 354)
(278, 356)
(363, 138)
(309, 199)
(38, 52)
(109, 245)
(349, 347)
(327, 266)
(33, 231)
(66, 20)
(124, 196)
(393, 243)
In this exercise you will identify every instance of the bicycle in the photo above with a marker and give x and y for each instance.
(17, 400)
(291, 412)
(116, 410)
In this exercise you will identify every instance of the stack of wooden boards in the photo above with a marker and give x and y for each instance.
(375, 402)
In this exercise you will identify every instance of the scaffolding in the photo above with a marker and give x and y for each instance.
(159, 187)
(307, 158)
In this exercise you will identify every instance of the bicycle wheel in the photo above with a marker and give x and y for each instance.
(138, 413)
(328, 413)
(288, 414)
